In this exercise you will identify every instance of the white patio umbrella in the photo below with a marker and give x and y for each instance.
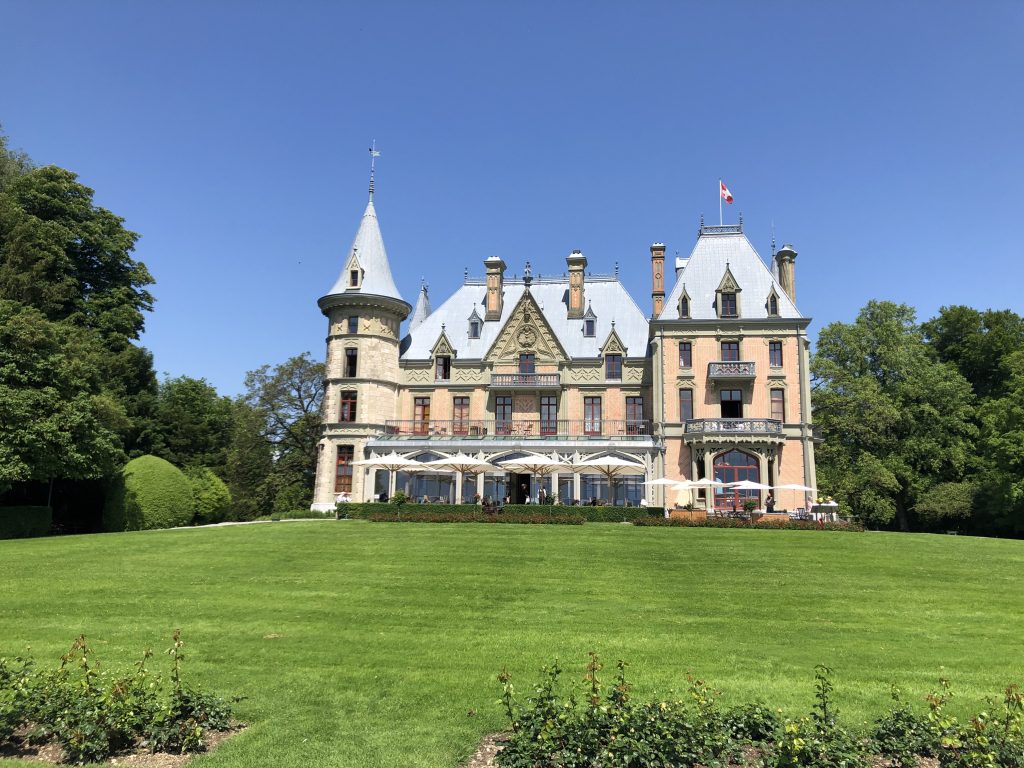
(459, 463)
(797, 487)
(536, 464)
(611, 467)
(392, 462)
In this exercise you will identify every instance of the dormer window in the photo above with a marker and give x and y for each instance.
(353, 278)
(474, 329)
(443, 368)
(684, 307)
(613, 367)
(589, 327)
(773, 305)
(728, 304)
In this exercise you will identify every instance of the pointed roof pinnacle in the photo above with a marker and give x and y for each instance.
(374, 154)
(422, 310)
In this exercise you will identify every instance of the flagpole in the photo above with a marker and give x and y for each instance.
(719, 202)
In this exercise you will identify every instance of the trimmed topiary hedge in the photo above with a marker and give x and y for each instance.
(590, 514)
(148, 493)
(211, 496)
(362, 511)
(24, 522)
(479, 516)
(728, 522)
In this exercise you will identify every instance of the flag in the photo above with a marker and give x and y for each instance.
(726, 194)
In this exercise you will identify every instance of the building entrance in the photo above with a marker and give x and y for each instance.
(518, 487)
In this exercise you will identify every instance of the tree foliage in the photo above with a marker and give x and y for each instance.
(895, 421)
(148, 493)
(212, 497)
(191, 424)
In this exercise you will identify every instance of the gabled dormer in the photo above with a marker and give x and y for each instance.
(684, 305)
(771, 304)
(443, 353)
(526, 332)
(614, 352)
(727, 296)
(475, 324)
(353, 272)
(589, 322)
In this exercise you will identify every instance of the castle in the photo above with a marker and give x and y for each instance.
(713, 383)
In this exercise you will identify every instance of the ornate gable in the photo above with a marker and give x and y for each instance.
(442, 346)
(353, 266)
(526, 331)
(613, 344)
(728, 284)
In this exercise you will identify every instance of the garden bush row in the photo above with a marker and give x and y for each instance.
(94, 714)
(603, 725)
(24, 522)
(478, 516)
(763, 524)
(417, 511)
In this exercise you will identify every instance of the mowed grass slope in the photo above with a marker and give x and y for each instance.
(361, 644)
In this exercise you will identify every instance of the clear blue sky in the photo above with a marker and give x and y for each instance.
(883, 139)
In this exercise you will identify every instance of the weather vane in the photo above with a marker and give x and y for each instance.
(374, 154)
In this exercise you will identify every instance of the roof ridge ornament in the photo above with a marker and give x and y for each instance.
(374, 154)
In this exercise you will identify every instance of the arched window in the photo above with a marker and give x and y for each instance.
(732, 467)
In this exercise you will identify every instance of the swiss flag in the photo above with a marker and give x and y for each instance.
(726, 194)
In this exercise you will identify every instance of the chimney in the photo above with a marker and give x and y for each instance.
(658, 277)
(576, 262)
(495, 287)
(784, 260)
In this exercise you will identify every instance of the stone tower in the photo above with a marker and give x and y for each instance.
(364, 313)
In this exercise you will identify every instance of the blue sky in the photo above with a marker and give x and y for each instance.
(883, 140)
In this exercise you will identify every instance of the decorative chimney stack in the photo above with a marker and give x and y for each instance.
(576, 262)
(784, 262)
(658, 277)
(495, 287)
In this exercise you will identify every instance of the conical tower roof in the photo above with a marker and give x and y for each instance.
(368, 252)
(422, 308)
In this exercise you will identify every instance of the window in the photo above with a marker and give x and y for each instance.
(460, 415)
(732, 404)
(733, 467)
(589, 327)
(685, 404)
(685, 354)
(730, 351)
(443, 368)
(348, 405)
(613, 367)
(421, 416)
(684, 307)
(503, 415)
(592, 415)
(728, 305)
(351, 360)
(775, 354)
(773, 305)
(635, 416)
(779, 404)
(548, 415)
(353, 324)
(343, 477)
(527, 363)
(353, 278)
(474, 329)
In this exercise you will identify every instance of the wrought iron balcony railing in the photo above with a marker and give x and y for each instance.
(726, 370)
(733, 426)
(526, 380)
(455, 429)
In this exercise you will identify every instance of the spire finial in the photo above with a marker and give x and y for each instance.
(616, 270)
(773, 236)
(374, 154)
(527, 275)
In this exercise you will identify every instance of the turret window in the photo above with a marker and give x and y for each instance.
(348, 406)
(353, 278)
(613, 367)
(351, 362)
(353, 324)
(728, 304)
(343, 478)
(443, 369)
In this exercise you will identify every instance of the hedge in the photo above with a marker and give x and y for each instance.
(591, 514)
(363, 511)
(25, 522)
(479, 516)
(729, 522)
(148, 493)
(211, 496)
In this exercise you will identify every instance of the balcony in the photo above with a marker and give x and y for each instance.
(696, 429)
(732, 370)
(526, 380)
(520, 429)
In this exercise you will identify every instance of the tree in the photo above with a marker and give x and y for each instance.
(1001, 483)
(56, 421)
(191, 424)
(279, 419)
(895, 421)
(978, 344)
(13, 163)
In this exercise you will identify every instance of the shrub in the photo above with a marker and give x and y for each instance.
(364, 511)
(93, 714)
(24, 522)
(211, 496)
(478, 517)
(603, 514)
(730, 522)
(148, 493)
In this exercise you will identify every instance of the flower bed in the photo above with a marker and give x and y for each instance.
(764, 524)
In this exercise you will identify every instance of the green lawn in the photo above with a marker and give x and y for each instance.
(362, 644)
